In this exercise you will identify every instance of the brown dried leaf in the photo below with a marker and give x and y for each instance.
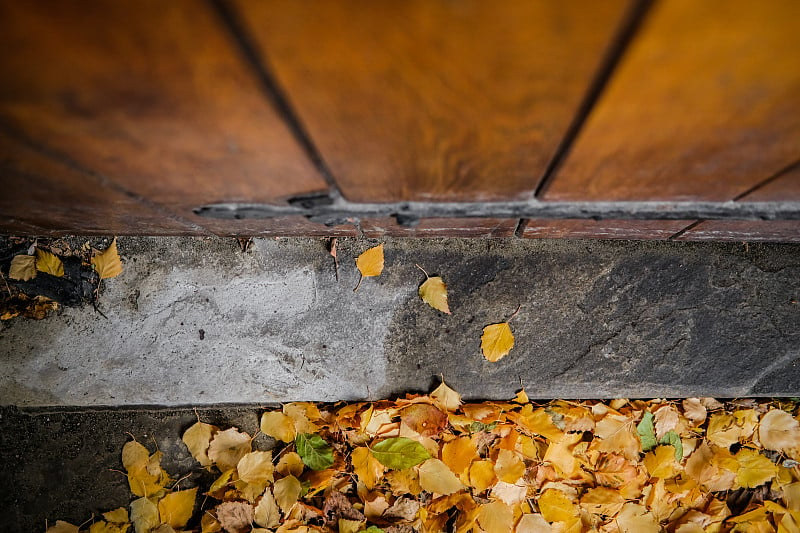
(235, 517)
(23, 268)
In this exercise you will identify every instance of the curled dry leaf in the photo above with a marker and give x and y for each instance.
(49, 263)
(107, 263)
(235, 517)
(496, 341)
(370, 263)
(228, 447)
(23, 268)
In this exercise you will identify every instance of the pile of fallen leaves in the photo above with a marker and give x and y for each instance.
(38, 277)
(433, 463)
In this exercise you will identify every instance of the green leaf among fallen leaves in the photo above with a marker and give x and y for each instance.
(647, 432)
(314, 451)
(399, 453)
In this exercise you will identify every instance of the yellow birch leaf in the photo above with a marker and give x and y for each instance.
(23, 268)
(197, 438)
(287, 491)
(368, 469)
(434, 293)
(556, 506)
(496, 517)
(778, 430)
(222, 480)
(176, 508)
(278, 426)
(509, 467)
(144, 515)
(481, 475)
(722, 430)
(459, 453)
(521, 398)
(370, 263)
(754, 469)
(635, 518)
(537, 421)
(267, 513)
(228, 447)
(62, 527)
(436, 477)
(290, 464)
(533, 523)
(107, 263)
(256, 467)
(496, 341)
(602, 501)
(660, 462)
(559, 454)
(145, 475)
(446, 398)
(49, 263)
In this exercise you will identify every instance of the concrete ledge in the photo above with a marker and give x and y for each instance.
(598, 319)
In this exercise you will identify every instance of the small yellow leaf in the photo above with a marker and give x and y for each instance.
(176, 508)
(267, 513)
(256, 467)
(286, 491)
(23, 267)
(509, 466)
(436, 477)
(496, 341)
(107, 263)
(278, 426)
(62, 527)
(117, 516)
(368, 469)
(754, 469)
(144, 515)
(49, 263)
(636, 519)
(660, 462)
(370, 263)
(602, 501)
(197, 438)
(481, 475)
(446, 398)
(434, 293)
(459, 453)
(496, 517)
(290, 464)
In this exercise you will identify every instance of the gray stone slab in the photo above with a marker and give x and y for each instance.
(597, 319)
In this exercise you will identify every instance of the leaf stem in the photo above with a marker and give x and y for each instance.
(514, 313)
(423, 270)
(359, 283)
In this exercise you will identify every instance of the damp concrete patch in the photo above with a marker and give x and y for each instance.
(195, 321)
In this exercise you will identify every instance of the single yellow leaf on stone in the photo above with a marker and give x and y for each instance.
(256, 467)
(197, 438)
(176, 508)
(436, 477)
(228, 447)
(754, 469)
(144, 515)
(290, 464)
(778, 430)
(368, 469)
(496, 341)
(286, 491)
(23, 268)
(267, 513)
(278, 426)
(49, 263)
(660, 462)
(496, 517)
(446, 398)
(636, 519)
(63, 527)
(533, 523)
(434, 293)
(370, 263)
(107, 263)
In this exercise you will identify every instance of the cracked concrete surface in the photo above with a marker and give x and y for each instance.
(598, 319)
